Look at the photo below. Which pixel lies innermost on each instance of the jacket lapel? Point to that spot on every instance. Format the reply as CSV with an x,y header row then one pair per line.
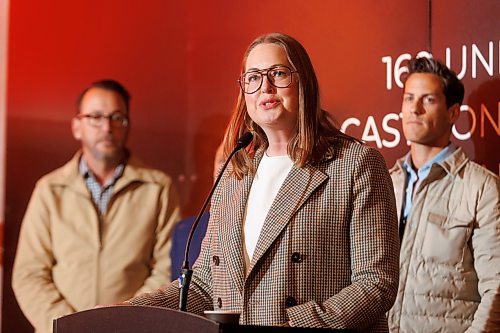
x,y
230,231
70,177
296,189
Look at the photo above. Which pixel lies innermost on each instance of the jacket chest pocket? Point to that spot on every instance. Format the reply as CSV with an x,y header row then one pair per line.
x,y
445,239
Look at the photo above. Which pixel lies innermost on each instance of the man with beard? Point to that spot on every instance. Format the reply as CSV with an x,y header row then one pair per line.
x,y
98,229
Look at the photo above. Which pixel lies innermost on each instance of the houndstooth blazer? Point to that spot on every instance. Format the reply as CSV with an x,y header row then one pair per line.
x,y
327,255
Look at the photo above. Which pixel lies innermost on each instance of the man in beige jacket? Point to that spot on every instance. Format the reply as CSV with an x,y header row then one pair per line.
x,y
97,230
448,209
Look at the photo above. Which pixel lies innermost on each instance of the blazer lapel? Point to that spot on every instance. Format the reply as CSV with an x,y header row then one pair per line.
x,y
296,189
230,231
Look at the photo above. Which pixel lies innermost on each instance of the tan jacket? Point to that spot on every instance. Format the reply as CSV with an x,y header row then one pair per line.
x,y
69,259
326,257
450,252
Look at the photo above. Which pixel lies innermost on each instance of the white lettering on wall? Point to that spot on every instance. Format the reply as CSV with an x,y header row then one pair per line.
x,y
481,57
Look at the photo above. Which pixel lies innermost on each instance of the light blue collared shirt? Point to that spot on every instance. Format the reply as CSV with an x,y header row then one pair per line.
x,y
415,179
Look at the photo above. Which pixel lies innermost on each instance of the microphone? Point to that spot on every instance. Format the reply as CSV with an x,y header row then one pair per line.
x,y
242,142
186,272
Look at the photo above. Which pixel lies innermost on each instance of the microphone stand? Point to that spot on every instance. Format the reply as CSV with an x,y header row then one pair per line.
x,y
186,271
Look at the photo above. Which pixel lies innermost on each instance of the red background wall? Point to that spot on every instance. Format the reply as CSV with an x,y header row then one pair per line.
x,y
181,61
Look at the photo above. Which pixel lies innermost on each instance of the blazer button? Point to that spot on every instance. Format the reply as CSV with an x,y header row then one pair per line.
x,y
219,302
290,301
216,260
296,257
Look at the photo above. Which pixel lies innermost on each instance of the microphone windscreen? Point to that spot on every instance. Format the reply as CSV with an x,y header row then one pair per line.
x,y
244,141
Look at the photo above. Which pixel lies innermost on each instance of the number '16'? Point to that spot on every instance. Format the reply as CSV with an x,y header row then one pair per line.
x,y
398,69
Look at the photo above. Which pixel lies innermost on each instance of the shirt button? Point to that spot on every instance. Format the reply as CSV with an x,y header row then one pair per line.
x,y
290,301
219,302
296,257
216,260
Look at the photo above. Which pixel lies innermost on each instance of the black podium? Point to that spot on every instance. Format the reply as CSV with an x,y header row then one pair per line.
x,y
146,319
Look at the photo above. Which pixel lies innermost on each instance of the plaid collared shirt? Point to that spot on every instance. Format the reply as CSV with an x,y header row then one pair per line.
x,y
100,194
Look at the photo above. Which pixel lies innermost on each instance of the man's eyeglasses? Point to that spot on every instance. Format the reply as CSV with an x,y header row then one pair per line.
x,y
278,76
116,119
